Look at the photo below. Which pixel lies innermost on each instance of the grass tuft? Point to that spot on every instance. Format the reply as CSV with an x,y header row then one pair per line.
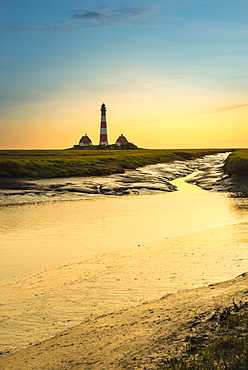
x,y
237,163
229,351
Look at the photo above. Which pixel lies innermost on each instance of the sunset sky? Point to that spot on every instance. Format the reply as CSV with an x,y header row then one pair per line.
x,y
172,73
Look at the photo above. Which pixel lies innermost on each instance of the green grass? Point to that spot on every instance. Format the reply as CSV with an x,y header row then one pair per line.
x,y
65,163
237,163
229,351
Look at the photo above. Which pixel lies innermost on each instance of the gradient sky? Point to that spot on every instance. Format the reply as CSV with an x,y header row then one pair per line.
x,y
172,73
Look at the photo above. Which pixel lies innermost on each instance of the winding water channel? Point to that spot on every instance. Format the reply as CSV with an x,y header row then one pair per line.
x,y
49,228
71,249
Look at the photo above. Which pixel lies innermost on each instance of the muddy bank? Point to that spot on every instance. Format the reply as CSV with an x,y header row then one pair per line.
x,y
215,179
143,337
39,305
144,180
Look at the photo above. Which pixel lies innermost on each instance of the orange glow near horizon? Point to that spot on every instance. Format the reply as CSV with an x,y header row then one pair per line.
x,y
160,124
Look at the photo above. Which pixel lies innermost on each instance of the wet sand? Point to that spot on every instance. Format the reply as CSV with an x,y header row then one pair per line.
x,y
141,337
41,305
107,312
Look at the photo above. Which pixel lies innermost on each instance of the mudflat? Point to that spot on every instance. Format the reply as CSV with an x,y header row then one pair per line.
x,y
107,312
141,337
150,179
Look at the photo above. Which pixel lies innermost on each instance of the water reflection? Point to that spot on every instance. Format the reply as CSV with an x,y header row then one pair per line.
x,y
35,236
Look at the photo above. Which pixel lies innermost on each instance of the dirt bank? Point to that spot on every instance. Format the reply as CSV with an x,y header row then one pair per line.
x,y
138,338
43,304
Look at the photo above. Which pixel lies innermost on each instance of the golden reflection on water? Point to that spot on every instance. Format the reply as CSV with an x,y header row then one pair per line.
x,y
43,303
36,236
39,305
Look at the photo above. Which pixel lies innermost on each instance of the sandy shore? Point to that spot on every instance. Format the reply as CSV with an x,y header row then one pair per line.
x,y
107,296
138,338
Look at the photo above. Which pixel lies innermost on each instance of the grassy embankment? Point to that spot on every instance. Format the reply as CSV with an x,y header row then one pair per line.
x,y
237,163
229,351
65,163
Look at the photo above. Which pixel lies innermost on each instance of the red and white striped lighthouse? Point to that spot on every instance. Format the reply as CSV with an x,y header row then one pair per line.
x,y
103,128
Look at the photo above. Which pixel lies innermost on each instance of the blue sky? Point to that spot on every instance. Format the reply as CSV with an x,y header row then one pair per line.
x,y
172,73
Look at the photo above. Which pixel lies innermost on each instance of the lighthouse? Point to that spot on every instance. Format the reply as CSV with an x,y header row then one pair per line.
x,y
103,128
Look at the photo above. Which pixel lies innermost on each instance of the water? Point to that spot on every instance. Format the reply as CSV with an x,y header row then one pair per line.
x,y
56,268
35,236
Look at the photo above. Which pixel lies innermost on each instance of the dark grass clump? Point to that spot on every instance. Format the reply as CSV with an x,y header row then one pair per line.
x,y
12,168
237,163
228,351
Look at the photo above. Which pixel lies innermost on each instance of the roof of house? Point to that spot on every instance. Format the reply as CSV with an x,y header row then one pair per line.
x,y
121,140
85,139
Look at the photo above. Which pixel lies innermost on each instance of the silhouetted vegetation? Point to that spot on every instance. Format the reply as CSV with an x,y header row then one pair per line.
x,y
229,351
127,146
71,162
237,163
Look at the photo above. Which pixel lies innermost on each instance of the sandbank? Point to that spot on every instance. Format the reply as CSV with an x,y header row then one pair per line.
x,y
107,312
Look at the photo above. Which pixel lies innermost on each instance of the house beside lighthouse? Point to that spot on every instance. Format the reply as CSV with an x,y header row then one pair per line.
x,y
121,140
85,141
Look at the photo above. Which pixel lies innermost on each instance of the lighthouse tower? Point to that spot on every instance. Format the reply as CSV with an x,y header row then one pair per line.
x,y
103,128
